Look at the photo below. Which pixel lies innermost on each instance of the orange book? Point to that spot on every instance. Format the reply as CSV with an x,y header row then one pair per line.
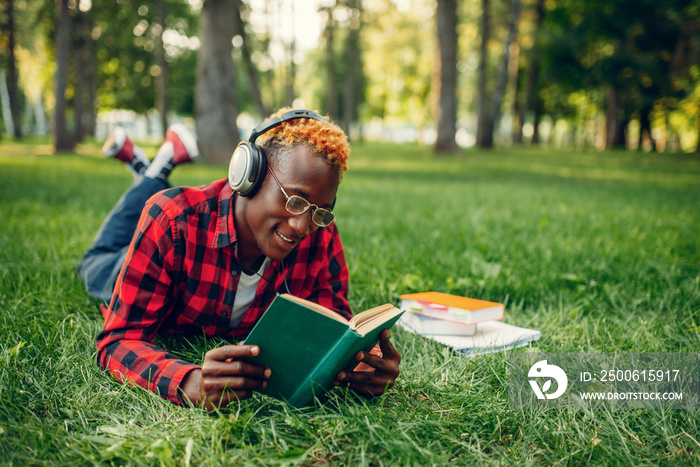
x,y
454,308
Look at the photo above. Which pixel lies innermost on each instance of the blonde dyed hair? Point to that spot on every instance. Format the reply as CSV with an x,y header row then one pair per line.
x,y
325,139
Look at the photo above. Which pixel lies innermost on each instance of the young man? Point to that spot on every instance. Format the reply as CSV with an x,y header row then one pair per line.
x,y
210,260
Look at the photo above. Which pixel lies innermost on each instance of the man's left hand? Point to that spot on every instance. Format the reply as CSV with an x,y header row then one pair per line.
x,y
377,371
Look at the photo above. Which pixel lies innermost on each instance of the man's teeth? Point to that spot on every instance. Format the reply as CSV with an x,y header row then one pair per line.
x,y
289,240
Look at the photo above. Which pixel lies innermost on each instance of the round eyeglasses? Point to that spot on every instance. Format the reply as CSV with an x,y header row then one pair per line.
x,y
297,205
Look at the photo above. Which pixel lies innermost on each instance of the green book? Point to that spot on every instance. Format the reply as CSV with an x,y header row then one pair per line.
x,y
306,345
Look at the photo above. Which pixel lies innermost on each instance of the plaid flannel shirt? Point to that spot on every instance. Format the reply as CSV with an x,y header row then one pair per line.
x,y
180,277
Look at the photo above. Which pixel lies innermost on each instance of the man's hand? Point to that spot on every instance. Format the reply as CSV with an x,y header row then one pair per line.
x,y
224,378
377,370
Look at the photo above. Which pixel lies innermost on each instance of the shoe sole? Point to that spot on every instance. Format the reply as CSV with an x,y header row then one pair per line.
x,y
115,142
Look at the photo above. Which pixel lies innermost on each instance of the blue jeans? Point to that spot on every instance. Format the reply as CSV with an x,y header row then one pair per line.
x,y
101,264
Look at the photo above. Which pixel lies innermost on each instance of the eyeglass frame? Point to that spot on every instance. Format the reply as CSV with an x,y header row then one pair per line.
x,y
308,204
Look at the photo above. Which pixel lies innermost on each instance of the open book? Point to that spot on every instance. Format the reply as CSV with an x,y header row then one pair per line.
x,y
306,345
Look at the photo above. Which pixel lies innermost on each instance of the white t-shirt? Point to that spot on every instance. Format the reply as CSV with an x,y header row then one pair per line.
x,y
247,285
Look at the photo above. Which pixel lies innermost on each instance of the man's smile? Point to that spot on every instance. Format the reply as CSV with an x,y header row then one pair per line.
x,y
285,238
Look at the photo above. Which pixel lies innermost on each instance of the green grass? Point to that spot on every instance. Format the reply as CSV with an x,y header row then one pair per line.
x,y
599,251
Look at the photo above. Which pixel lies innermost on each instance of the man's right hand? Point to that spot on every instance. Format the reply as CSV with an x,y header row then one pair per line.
x,y
224,378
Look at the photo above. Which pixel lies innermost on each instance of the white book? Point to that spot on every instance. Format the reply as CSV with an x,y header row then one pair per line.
x,y
426,326
490,336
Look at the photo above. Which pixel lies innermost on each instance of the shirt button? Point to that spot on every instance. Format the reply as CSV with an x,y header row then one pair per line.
x,y
224,313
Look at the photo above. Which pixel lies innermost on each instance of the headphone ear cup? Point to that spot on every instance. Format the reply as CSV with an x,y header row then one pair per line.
x,y
246,170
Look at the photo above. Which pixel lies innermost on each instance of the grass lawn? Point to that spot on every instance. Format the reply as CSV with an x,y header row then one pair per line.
x,y
599,251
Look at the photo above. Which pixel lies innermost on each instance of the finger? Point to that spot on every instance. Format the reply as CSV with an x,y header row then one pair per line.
x,y
213,368
371,378
388,349
232,351
372,360
378,363
369,389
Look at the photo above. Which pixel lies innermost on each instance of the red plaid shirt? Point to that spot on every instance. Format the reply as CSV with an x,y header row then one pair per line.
x,y
180,277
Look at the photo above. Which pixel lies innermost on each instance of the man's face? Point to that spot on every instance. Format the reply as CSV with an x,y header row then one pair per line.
x,y
266,225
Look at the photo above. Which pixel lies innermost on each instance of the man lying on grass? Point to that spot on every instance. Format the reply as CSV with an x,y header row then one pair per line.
x,y
210,260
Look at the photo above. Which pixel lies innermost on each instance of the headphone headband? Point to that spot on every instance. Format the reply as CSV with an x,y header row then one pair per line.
x,y
277,121
248,164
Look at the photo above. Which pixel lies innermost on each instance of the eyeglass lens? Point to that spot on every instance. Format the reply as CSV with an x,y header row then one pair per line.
x,y
298,205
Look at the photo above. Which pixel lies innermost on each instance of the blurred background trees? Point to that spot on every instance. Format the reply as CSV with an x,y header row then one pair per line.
x,y
618,74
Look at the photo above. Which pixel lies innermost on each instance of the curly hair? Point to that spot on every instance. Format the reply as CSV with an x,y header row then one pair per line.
x,y
324,139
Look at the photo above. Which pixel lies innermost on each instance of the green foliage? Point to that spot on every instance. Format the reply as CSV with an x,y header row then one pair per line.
x,y
399,47
632,46
598,250
125,34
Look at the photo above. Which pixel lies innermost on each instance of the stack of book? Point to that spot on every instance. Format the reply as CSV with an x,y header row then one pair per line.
x,y
468,325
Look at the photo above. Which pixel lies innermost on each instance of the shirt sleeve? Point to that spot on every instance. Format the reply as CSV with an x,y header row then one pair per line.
x,y
141,302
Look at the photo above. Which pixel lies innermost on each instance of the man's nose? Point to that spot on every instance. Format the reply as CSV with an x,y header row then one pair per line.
x,y
302,224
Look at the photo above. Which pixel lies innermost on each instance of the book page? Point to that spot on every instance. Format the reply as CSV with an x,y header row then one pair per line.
x,y
316,307
373,318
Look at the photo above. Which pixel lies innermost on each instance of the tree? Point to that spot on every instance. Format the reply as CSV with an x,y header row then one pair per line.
x,y
250,67
398,51
90,111
329,35
215,100
162,76
134,72
622,55
63,140
446,16
353,75
532,73
12,69
485,136
291,72
80,47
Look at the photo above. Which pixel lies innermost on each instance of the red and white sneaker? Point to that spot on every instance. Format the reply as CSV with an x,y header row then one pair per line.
x,y
179,147
184,144
120,147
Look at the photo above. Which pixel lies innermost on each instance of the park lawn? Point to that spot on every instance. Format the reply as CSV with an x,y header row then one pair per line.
x,y
599,251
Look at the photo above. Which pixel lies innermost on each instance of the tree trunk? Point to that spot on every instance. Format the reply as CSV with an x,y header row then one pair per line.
x,y
5,102
91,76
501,79
215,100
248,61
330,65
447,104
62,138
514,79
536,125
615,131
645,129
80,78
697,127
353,67
291,73
532,72
12,71
483,139
162,78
